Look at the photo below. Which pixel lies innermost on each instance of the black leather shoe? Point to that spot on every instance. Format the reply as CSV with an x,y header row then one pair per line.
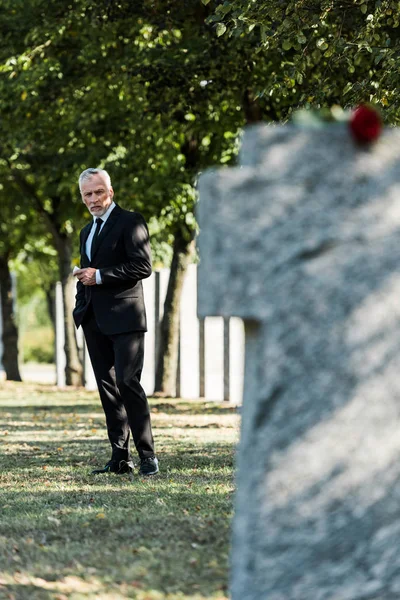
x,y
120,467
148,466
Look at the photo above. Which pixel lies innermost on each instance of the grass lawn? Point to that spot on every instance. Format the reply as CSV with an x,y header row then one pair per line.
x,y
65,534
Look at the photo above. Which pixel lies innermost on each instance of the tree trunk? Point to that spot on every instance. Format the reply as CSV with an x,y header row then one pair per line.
x,y
167,360
10,331
73,368
251,107
51,305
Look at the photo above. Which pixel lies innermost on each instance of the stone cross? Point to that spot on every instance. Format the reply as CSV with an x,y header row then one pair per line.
x,y
302,241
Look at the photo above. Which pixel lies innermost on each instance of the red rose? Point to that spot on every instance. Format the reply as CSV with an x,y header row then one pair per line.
x,y
365,124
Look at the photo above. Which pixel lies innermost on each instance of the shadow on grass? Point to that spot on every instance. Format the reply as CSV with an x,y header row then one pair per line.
x,y
17,408
170,532
92,452
188,407
33,592
167,535
193,407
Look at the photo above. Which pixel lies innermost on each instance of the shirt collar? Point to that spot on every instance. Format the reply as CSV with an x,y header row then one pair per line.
x,y
107,213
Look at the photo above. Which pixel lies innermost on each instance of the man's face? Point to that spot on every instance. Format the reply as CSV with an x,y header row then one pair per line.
x,y
96,194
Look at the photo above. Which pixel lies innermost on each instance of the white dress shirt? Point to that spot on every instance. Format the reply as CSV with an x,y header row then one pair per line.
x,y
88,247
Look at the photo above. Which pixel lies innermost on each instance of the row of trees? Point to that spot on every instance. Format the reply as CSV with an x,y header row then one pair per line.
x,y
155,91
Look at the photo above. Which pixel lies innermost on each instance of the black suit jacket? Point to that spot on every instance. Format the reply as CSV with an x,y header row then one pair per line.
x,y
122,254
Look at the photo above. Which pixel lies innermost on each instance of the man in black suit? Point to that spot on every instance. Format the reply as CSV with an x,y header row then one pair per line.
x,y
115,257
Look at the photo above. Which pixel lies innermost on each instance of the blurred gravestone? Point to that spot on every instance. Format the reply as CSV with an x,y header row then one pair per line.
x,y
303,243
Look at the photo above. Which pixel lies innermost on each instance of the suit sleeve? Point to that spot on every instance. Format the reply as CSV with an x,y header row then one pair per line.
x,y
137,247
80,295
80,288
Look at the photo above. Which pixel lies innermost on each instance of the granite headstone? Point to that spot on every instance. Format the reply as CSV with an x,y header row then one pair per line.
x,y
302,241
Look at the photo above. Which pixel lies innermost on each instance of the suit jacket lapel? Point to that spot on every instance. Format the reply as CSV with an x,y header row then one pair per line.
x,y
108,225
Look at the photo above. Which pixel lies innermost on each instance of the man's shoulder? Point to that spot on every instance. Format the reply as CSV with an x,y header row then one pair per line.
x,y
86,227
131,215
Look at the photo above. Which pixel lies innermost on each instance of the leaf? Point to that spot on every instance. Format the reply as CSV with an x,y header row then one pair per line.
x,y
287,44
264,34
347,88
321,44
221,28
205,2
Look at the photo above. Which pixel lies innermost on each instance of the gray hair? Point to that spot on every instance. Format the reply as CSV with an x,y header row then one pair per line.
x,y
90,172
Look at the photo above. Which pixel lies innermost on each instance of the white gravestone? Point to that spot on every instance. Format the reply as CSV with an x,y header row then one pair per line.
x,y
303,243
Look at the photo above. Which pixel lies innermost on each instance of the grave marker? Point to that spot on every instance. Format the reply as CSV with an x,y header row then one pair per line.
x,y
302,241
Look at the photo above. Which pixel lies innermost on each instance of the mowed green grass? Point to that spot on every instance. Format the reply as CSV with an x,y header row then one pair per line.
x,y
65,534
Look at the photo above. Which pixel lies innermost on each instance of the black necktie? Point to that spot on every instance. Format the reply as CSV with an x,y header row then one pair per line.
x,y
99,223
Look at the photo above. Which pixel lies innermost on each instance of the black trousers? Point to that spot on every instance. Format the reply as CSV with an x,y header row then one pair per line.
x,y
117,362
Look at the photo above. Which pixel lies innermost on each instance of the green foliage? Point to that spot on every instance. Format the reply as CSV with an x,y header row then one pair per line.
x,y
36,269
145,91
156,92
37,345
36,332
321,52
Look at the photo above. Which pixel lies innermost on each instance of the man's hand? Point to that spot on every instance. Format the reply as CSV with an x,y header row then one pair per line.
x,y
86,276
